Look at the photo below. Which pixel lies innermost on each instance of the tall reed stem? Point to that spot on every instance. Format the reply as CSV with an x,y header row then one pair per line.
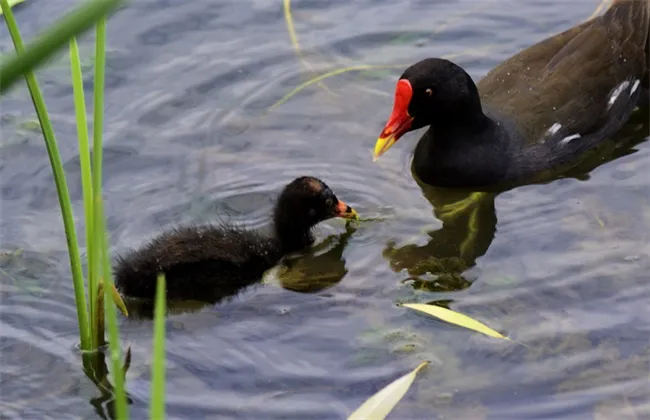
x,y
157,407
59,181
121,409
98,126
86,174
53,38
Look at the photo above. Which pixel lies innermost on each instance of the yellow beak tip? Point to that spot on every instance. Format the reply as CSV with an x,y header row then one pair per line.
x,y
381,146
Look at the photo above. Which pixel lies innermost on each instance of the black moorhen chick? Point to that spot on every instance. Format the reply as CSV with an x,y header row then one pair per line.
x,y
211,262
538,111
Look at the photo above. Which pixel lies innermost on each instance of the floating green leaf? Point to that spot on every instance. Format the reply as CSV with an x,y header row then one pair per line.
x,y
382,403
455,318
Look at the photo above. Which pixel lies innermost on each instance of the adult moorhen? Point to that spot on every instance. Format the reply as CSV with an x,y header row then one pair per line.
x,y
538,111
208,263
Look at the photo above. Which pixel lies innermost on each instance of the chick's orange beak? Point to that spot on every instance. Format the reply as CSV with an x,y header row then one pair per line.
x,y
399,121
345,211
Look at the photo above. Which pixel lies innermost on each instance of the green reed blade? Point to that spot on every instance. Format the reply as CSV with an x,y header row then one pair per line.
x,y
52,39
121,409
98,116
97,329
86,181
157,408
12,3
59,176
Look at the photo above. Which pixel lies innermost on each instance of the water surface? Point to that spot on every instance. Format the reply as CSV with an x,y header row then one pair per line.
x,y
189,137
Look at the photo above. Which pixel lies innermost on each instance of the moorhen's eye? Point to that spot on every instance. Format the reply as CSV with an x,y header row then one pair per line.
x,y
329,202
429,91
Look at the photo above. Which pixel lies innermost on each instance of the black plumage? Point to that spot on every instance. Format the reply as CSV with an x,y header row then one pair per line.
x,y
536,114
210,262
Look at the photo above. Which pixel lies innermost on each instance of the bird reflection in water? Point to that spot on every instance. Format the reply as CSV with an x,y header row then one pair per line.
x,y
468,227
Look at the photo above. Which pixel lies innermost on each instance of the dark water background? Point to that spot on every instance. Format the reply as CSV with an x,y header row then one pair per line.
x,y
562,267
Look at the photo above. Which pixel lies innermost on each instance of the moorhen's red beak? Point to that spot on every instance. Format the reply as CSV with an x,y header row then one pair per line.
x,y
399,121
345,211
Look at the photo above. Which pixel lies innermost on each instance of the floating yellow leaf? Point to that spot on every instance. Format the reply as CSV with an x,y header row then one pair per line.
x,y
379,405
455,318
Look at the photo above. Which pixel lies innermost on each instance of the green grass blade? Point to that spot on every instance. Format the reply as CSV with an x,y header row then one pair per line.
x,y
98,328
52,39
98,115
157,409
98,121
12,3
121,409
86,181
59,179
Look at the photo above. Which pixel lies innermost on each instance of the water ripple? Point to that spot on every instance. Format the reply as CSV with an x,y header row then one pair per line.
x,y
189,137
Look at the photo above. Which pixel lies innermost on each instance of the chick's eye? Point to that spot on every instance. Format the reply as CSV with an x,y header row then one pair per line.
x,y
429,92
329,202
